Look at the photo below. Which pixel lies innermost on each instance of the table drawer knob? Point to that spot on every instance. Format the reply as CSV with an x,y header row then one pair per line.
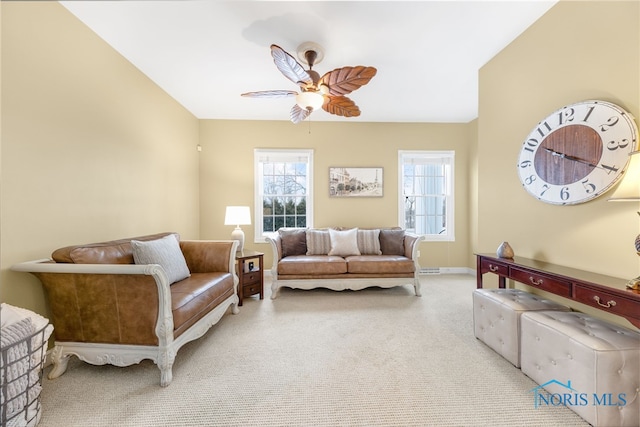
x,y
609,304
493,268
535,282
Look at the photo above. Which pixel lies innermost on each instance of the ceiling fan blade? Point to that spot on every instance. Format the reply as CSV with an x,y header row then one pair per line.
x,y
271,94
288,66
298,114
341,106
342,81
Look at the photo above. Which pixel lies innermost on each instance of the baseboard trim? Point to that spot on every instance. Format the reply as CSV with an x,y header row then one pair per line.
x,y
426,271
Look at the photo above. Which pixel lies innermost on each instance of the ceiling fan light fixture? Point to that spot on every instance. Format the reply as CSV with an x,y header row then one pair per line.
x,y
309,100
326,92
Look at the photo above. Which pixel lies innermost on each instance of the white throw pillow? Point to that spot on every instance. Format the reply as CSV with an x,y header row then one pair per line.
x,y
165,252
344,243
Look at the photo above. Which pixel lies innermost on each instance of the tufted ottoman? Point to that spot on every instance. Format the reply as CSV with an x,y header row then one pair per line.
x,y
496,318
591,366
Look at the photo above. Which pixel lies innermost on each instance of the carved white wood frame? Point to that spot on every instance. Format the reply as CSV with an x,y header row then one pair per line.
x,y
341,284
165,352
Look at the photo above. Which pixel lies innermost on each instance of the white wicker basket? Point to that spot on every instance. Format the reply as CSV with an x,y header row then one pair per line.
x,y
21,368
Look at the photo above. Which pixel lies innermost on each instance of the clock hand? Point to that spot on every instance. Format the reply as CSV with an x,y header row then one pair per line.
x,y
573,158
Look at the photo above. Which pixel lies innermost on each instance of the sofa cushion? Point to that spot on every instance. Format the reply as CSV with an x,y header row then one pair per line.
x,y
379,264
165,252
312,265
197,295
344,242
294,241
318,242
392,242
369,242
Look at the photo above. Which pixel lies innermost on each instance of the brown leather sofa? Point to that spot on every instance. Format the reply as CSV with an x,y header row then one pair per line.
x,y
301,262
108,310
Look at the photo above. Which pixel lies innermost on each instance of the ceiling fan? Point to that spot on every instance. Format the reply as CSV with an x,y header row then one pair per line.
x,y
327,91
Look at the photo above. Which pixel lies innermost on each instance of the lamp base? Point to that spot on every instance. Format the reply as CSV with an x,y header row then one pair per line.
x,y
634,284
238,234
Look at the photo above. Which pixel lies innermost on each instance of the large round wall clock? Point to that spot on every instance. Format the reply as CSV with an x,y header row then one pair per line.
x,y
577,153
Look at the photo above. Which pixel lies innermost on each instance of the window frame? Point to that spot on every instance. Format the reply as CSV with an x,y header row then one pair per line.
x,y
449,157
288,155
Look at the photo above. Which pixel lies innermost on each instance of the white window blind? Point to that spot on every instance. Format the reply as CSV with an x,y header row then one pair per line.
x,y
426,202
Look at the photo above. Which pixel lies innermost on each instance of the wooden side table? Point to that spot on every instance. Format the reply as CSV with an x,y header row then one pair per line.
x,y
251,280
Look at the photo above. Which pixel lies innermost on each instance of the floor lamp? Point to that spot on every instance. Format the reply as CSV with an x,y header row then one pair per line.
x,y
629,191
238,215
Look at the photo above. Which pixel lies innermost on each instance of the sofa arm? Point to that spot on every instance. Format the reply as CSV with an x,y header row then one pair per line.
x,y
49,266
412,245
205,256
114,293
276,248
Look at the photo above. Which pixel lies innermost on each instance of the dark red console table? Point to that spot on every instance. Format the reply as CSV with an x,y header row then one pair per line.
x,y
596,290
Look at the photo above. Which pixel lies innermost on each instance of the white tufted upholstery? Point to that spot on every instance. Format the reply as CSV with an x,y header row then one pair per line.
x,y
496,318
597,357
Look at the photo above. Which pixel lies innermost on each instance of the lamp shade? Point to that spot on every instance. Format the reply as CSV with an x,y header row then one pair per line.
x,y
306,100
629,188
237,215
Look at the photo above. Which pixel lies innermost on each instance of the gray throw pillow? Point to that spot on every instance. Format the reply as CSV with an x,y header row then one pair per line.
x,y
294,241
392,242
164,252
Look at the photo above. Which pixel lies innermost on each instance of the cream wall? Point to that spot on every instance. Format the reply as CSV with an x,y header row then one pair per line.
x,y
577,51
227,176
91,148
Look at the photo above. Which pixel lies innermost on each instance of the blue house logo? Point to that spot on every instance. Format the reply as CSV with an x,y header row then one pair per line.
x,y
572,397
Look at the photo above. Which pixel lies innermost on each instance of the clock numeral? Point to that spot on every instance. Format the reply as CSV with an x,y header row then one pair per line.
x,y
566,116
531,145
564,194
608,168
589,111
525,163
588,186
542,131
545,187
615,145
610,123
529,180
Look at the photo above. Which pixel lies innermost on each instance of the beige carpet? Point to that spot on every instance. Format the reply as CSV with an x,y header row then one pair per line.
x,y
318,358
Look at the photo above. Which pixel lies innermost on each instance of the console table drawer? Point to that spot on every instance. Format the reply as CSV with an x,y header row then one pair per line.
x,y
605,301
491,266
546,283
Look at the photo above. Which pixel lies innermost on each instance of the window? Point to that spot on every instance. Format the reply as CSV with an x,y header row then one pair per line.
x,y
283,190
426,202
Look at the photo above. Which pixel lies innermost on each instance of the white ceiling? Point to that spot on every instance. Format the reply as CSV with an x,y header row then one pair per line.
x,y
206,53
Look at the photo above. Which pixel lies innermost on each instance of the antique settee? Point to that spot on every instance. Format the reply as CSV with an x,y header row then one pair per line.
x,y
340,259
123,301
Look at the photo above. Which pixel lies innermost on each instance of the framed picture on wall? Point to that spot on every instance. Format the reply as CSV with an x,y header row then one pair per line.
x,y
355,182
